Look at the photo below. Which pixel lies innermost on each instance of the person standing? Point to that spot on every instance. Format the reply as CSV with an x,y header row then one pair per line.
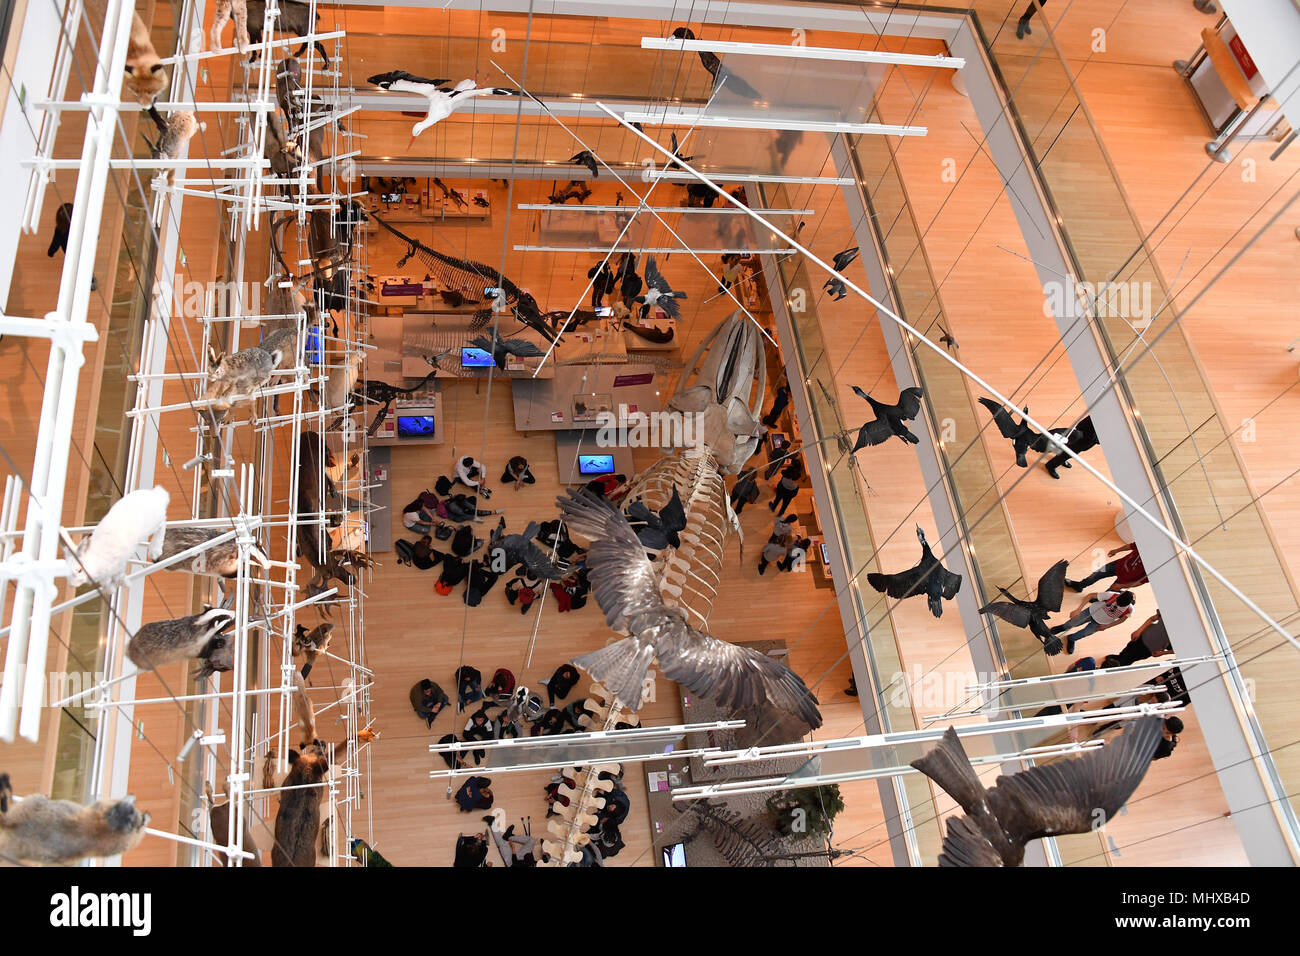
x,y
603,282
1149,640
1022,28
797,555
1097,612
787,487
1078,439
783,526
745,491
774,551
1127,571
779,402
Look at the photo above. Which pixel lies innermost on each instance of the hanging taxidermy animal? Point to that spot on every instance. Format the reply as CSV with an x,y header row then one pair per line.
x,y
219,825
145,77
226,10
295,20
40,830
297,822
221,559
204,636
174,133
237,376
309,644
102,555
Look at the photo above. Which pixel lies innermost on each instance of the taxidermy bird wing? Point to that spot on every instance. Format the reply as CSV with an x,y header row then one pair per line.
x,y
904,583
1002,418
726,78
909,403
386,80
1051,587
737,677
1065,796
521,348
520,550
1013,612
874,432
654,279
488,345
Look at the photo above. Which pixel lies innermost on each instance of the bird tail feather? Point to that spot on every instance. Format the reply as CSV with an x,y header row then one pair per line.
x,y
621,667
949,767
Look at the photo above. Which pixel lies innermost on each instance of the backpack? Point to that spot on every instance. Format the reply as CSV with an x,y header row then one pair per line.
x,y
405,551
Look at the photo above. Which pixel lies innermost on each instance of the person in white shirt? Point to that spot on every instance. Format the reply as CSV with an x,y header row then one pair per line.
x,y
1096,612
469,472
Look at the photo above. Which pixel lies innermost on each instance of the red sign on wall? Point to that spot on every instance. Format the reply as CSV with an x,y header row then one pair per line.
x,y
1243,58
640,378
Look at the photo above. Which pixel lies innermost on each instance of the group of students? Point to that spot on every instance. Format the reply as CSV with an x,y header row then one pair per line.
x,y
1102,610
783,549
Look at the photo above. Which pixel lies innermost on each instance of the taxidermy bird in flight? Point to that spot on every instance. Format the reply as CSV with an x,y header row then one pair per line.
x,y
443,99
946,339
890,419
1033,614
928,577
843,258
835,288
499,348
721,75
1023,437
658,292
1066,796
585,158
627,589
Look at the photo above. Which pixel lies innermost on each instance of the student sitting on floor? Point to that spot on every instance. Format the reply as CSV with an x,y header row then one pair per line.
x,y
475,794
517,473
428,699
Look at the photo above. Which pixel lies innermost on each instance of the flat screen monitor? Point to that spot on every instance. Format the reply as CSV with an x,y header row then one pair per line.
x,y
675,855
415,426
595,464
474,358
604,311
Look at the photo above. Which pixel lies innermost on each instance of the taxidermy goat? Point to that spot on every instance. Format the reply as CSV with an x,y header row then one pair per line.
x,y
239,374
102,556
222,559
297,822
145,77
219,821
202,635
226,9
310,644
41,830
294,20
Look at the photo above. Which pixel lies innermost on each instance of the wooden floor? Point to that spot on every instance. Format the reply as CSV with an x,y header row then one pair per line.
x,y
989,295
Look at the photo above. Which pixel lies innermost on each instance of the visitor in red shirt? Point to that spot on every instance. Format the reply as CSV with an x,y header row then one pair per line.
x,y
1127,571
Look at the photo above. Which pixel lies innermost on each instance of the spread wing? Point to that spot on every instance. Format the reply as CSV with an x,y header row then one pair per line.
x,y
900,585
672,516
909,403
964,845
484,343
622,579
736,677
1002,418
1065,796
1016,614
874,432
1051,587
949,582
520,550
653,278
521,347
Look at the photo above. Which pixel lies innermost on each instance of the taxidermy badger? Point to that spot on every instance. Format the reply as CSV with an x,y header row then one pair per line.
x,y
145,76
202,635
41,830
297,822
223,559
225,10
242,373
102,556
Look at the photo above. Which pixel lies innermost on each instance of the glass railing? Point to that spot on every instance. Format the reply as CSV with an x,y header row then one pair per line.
x,y
881,645
1191,449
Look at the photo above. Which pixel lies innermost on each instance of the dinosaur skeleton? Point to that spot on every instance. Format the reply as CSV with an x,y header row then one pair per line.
x,y
723,386
471,278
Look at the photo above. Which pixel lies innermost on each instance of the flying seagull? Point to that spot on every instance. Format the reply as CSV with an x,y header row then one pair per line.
x,y
658,292
842,259
928,577
658,531
1066,796
627,589
889,419
1033,614
1023,437
443,99
517,549
499,348
721,75
585,158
